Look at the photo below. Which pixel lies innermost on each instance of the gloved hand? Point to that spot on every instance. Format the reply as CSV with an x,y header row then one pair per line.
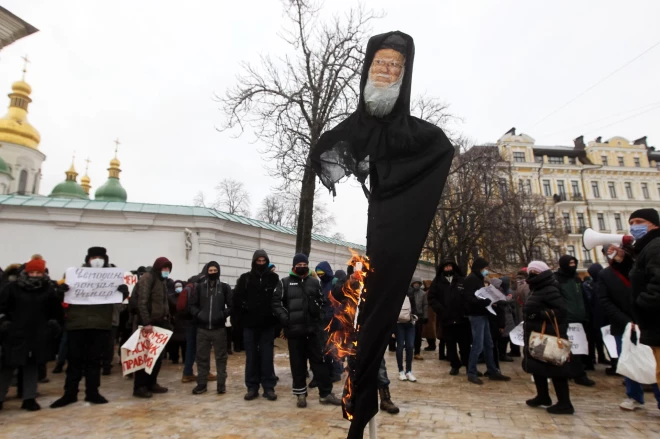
x,y
61,289
123,289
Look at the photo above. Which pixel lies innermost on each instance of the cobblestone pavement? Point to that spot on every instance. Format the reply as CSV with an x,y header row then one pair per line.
x,y
437,406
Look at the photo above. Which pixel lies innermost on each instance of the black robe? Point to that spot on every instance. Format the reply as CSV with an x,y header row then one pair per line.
x,y
407,161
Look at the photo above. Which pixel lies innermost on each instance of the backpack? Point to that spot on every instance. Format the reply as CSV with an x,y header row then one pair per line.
x,y
182,301
405,316
134,300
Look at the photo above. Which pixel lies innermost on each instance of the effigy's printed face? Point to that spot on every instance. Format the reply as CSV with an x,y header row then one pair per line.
x,y
386,67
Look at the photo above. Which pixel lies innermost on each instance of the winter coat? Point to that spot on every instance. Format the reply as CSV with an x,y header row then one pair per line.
x,y
326,288
545,297
210,304
430,328
419,301
474,306
571,290
153,306
90,316
521,294
253,296
591,302
297,303
645,282
178,324
29,322
448,299
615,297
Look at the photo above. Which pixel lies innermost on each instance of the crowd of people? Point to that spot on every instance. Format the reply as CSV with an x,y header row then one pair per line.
x,y
206,314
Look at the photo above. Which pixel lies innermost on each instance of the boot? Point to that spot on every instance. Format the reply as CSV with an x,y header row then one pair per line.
x,y
142,392
252,394
157,388
302,401
96,398
30,405
68,398
386,401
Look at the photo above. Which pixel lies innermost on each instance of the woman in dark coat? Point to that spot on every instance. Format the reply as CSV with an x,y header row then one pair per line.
x,y
544,300
29,316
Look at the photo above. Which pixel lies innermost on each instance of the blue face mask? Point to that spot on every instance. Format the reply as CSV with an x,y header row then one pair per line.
x,y
165,274
178,290
638,231
484,273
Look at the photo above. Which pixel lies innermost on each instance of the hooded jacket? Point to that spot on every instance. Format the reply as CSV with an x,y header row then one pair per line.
x,y
210,303
571,290
645,283
446,296
418,300
153,307
253,295
297,304
326,288
475,306
615,298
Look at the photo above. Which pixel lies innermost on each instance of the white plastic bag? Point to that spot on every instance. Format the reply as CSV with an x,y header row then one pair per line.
x,y
636,361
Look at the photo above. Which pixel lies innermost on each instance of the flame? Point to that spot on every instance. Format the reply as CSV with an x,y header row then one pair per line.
x,y
342,330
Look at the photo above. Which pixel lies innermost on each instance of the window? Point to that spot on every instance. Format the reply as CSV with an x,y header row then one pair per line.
x,y
547,189
567,222
575,187
561,188
557,252
529,219
519,157
487,189
556,160
617,220
587,255
637,163
551,219
621,162
581,225
604,159
629,192
527,186
503,186
612,189
511,256
572,161
36,183
570,249
645,191
22,182
538,158
594,189
537,254
601,222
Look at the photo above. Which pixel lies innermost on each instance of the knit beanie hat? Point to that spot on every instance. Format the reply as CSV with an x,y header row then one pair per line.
x,y
300,257
37,264
538,266
650,215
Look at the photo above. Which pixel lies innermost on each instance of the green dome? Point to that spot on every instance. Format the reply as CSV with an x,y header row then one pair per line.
x,y
111,190
4,167
69,189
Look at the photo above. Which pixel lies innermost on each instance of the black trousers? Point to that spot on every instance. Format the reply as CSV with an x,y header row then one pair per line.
x,y
596,345
561,388
418,336
109,353
503,345
301,349
86,348
458,337
143,379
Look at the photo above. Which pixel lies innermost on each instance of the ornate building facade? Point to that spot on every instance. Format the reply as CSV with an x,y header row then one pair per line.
x,y
597,184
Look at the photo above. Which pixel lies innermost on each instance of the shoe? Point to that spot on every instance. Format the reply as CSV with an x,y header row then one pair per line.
x,y
199,389
157,389
330,399
558,409
479,374
270,395
251,394
506,359
42,381
107,371
475,380
302,401
585,381
96,398
538,402
611,371
212,377
142,392
277,378
1,404
313,384
411,377
630,405
647,388
386,401
30,405
454,371
443,358
429,348
230,352
499,377
419,357
64,401
188,378
58,369
402,376
222,390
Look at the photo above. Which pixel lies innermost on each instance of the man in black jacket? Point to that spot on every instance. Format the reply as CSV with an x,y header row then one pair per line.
x,y
210,305
252,302
446,299
478,314
297,303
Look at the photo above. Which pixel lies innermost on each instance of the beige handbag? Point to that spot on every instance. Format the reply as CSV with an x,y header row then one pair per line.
x,y
548,348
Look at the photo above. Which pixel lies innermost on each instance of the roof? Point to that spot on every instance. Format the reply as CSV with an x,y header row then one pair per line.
x,y
13,28
161,209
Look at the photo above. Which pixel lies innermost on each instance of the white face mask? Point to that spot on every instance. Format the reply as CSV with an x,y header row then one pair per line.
x,y
97,263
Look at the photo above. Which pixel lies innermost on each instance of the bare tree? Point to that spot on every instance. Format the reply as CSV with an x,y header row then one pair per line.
x,y
233,198
292,100
339,236
281,208
273,210
200,201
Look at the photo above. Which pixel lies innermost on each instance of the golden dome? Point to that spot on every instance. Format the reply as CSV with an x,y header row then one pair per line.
x,y
14,127
114,163
85,179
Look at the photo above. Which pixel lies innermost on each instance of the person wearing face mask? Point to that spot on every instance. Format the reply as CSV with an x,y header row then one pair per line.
x,y
176,347
252,299
297,302
152,310
477,312
325,275
211,305
89,333
420,305
570,286
30,313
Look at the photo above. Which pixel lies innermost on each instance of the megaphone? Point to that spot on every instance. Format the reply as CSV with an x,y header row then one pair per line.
x,y
591,239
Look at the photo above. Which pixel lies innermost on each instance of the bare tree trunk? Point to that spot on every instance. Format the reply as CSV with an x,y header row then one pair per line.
x,y
306,213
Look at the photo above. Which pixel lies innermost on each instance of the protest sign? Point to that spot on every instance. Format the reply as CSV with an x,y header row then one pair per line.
x,y
517,335
610,342
142,350
130,279
578,337
93,286
492,293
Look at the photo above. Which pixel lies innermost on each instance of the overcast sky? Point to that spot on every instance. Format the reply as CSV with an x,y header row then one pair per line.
x,y
146,72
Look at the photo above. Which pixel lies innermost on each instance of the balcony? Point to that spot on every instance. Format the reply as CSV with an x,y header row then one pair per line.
x,y
582,229
562,197
577,197
568,229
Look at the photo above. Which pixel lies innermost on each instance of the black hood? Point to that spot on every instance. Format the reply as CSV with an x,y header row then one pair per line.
x,y
564,267
212,264
441,267
259,254
478,265
594,270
